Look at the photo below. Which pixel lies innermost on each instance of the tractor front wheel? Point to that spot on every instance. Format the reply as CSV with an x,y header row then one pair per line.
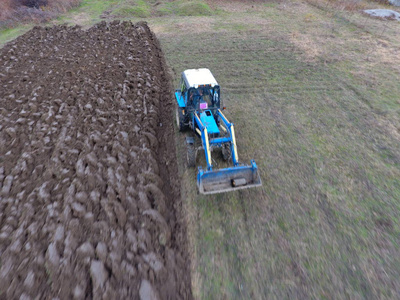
x,y
180,119
226,152
191,156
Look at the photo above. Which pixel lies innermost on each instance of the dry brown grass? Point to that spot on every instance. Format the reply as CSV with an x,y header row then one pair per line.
x,y
62,5
5,9
13,12
348,5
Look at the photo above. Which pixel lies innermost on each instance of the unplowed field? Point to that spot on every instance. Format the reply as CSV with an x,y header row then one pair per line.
x,y
89,201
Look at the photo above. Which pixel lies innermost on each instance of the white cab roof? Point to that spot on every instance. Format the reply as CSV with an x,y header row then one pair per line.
x,y
196,77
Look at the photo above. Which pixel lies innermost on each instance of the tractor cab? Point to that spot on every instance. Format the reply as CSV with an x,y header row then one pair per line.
x,y
198,91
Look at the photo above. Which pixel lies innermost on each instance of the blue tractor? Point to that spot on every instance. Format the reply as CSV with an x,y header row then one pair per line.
x,y
199,110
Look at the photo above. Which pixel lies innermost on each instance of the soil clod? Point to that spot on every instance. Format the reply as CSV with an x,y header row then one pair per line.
x,y
88,192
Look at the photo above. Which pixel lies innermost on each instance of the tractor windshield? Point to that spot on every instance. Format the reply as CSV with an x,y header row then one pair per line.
x,y
204,97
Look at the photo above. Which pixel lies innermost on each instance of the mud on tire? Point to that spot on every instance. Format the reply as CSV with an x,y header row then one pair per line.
x,y
180,119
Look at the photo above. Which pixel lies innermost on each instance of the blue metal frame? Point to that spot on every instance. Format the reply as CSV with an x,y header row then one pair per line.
x,y
229,127
217,141
210,181
180,99
204,139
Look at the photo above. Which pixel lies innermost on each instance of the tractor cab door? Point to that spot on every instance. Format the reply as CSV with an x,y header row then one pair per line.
x,y
181,94
184,91
215,97
192,98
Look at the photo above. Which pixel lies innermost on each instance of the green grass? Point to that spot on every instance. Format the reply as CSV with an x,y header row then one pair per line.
x,y
192,8
94,7
324,224
138,8
184,8
9,34
88,13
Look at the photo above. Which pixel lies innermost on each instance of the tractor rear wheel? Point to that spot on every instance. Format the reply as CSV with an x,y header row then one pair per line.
x,y
180,119
191,156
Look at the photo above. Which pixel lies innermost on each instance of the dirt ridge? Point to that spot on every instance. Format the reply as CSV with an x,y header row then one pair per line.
x,y
90,206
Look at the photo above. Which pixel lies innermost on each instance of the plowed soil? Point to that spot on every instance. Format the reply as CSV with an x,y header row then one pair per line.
x,y
90,204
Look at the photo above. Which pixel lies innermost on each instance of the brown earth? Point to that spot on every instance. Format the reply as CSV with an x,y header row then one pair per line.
x,y
89,200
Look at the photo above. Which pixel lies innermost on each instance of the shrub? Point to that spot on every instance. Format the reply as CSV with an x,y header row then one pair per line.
x,y
14,11
34,3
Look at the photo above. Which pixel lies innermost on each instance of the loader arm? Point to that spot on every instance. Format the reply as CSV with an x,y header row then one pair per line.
x,y
229,179
204,138
231,131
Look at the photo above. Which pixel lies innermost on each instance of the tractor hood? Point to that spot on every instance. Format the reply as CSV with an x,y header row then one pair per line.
x,y
208,121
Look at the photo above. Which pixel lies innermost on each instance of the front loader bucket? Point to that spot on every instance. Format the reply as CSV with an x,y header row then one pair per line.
x,y
230,179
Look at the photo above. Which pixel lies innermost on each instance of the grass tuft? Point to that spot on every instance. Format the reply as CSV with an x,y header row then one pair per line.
x,y
139,9
185,8
193,8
